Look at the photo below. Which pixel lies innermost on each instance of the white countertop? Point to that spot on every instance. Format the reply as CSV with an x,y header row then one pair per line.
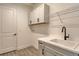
x,y
48,38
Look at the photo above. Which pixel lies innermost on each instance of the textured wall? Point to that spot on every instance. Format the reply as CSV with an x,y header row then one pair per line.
x,y
69,14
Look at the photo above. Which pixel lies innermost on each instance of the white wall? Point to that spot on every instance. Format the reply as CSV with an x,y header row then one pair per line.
x,y
71,21
56,7
24,35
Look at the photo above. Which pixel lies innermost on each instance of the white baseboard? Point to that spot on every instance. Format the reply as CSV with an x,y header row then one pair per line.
x,y
7,50
22,47
18,48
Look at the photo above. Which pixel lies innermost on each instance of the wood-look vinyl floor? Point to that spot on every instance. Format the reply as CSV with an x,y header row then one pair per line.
x,y
30,51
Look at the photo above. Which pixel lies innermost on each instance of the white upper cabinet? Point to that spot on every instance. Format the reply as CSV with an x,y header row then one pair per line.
x,y
40,14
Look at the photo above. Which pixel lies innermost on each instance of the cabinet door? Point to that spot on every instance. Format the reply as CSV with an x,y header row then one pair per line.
x,y
48,52
41,13
51,52
31,18
46,13
37,15
0,30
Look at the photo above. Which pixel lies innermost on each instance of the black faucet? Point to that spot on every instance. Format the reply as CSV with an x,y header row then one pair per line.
x,y
64,30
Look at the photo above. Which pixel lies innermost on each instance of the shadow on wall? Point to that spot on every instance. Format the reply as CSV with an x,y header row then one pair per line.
x,y
40,28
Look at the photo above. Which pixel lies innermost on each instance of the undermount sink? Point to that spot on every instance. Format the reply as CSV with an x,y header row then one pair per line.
x,y
70,44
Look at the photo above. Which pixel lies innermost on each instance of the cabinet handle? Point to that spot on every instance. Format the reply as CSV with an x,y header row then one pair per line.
x,y
43,51
14,34
37,19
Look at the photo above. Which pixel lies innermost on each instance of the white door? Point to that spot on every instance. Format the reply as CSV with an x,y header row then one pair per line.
x,y
8,29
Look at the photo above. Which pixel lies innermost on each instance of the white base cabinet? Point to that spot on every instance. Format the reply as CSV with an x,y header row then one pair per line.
x,y
47,49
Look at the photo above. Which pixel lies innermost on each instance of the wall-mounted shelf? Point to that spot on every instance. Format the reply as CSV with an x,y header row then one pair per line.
x,y
38,23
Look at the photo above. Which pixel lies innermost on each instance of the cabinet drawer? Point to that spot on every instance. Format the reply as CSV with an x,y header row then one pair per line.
x,y
51,52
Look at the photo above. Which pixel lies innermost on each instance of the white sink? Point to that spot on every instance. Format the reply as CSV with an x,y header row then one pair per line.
x,y
70,44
